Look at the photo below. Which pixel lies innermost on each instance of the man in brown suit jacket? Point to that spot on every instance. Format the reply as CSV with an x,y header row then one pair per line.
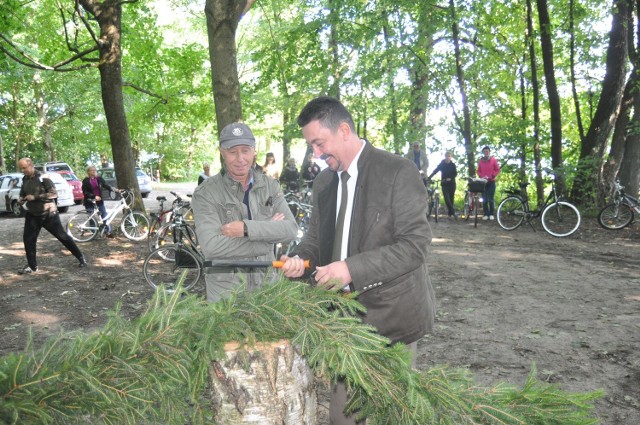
x,y
385,234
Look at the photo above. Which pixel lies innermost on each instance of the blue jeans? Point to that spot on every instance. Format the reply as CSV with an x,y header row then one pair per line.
x,y
488,204
103,212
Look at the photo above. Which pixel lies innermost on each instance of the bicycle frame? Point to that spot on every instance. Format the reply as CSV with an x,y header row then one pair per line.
x,y
551,198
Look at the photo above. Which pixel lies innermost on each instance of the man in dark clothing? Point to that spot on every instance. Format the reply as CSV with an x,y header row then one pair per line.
x,y
448,172
38,194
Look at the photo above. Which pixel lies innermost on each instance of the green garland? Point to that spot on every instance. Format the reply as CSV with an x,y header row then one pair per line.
x,y
154,369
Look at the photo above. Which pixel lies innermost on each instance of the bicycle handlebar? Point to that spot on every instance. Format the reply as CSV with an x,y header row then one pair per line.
x,y
247,263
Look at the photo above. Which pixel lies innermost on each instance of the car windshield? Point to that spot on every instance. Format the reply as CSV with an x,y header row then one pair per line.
x,y
108,174
69,177
57,167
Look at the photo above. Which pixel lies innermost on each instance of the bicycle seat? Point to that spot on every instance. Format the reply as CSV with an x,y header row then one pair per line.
x,y
524,184
161,198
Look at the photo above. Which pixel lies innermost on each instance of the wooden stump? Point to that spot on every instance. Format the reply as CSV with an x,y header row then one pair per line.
x,y
270,384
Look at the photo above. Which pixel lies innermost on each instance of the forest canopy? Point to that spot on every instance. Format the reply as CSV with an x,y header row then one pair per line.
x,y
545,84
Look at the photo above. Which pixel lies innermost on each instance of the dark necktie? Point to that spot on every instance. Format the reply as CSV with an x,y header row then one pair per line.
x,y
337,242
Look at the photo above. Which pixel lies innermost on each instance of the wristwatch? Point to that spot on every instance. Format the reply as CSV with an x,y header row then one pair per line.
x,y
246,229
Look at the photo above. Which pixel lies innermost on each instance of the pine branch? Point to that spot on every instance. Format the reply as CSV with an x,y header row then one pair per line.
x,y
154,369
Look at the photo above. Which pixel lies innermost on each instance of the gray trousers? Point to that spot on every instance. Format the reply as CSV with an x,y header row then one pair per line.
x,y
339,396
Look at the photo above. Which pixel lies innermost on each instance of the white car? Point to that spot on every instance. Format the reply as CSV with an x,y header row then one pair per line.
x,y
10,185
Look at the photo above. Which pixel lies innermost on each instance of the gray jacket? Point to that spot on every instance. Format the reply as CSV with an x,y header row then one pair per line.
x,y
388,243
218,201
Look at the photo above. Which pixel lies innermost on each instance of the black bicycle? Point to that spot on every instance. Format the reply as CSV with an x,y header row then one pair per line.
x,y
559,217
620,212
302,213
179,262
433,199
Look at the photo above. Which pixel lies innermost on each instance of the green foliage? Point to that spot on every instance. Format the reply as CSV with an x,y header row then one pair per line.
x,y
154,369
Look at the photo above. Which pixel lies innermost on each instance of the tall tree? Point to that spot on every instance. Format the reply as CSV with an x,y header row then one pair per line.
x,y
466,114
535,88
595,142
546,31
105,52
222,23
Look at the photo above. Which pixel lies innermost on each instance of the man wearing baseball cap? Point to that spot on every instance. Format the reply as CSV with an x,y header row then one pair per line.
x,y
240,214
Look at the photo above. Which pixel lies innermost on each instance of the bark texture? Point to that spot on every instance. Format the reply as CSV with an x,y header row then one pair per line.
x,y
271,384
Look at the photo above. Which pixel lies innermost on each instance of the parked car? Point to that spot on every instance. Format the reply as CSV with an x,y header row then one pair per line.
x,y
109,175
10,185
10,192
54,166
76,185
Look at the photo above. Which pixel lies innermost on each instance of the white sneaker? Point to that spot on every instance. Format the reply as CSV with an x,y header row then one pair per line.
x,y
491,217
485,217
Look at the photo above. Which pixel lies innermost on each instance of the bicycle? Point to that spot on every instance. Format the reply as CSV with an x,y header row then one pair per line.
x,y
173,231
86,225
559,217
302,214
177,263
473,198
433,198
163,217
620,212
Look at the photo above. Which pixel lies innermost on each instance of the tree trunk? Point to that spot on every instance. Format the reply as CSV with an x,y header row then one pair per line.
x,y
418,71
595,142
535,88
552,89
466,131
618,141
43,120
336,68
269,385
109,17
222,22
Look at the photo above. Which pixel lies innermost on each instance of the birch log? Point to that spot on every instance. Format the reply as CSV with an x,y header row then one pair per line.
x,y
269,384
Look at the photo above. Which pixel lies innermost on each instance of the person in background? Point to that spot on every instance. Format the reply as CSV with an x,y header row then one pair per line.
x,y
270,168
448,172
291,176
368,232
310,171
92,187
206,173
489,169
419,158
38,196
240,214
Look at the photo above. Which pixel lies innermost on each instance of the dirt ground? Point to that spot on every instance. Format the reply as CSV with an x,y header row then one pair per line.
x,y
506,300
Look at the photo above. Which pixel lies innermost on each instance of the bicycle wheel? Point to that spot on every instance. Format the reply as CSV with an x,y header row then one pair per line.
x,y
615,216
153,233
466,208
560,219
83,226
510,213
135,226
476,201
436,207
429,205
185,270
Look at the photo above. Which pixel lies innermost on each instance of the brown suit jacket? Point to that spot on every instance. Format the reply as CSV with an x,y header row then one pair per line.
x,y
388,243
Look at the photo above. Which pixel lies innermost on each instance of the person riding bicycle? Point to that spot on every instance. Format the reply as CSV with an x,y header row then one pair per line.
x,y
448,172
489,169
240,215
92,187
